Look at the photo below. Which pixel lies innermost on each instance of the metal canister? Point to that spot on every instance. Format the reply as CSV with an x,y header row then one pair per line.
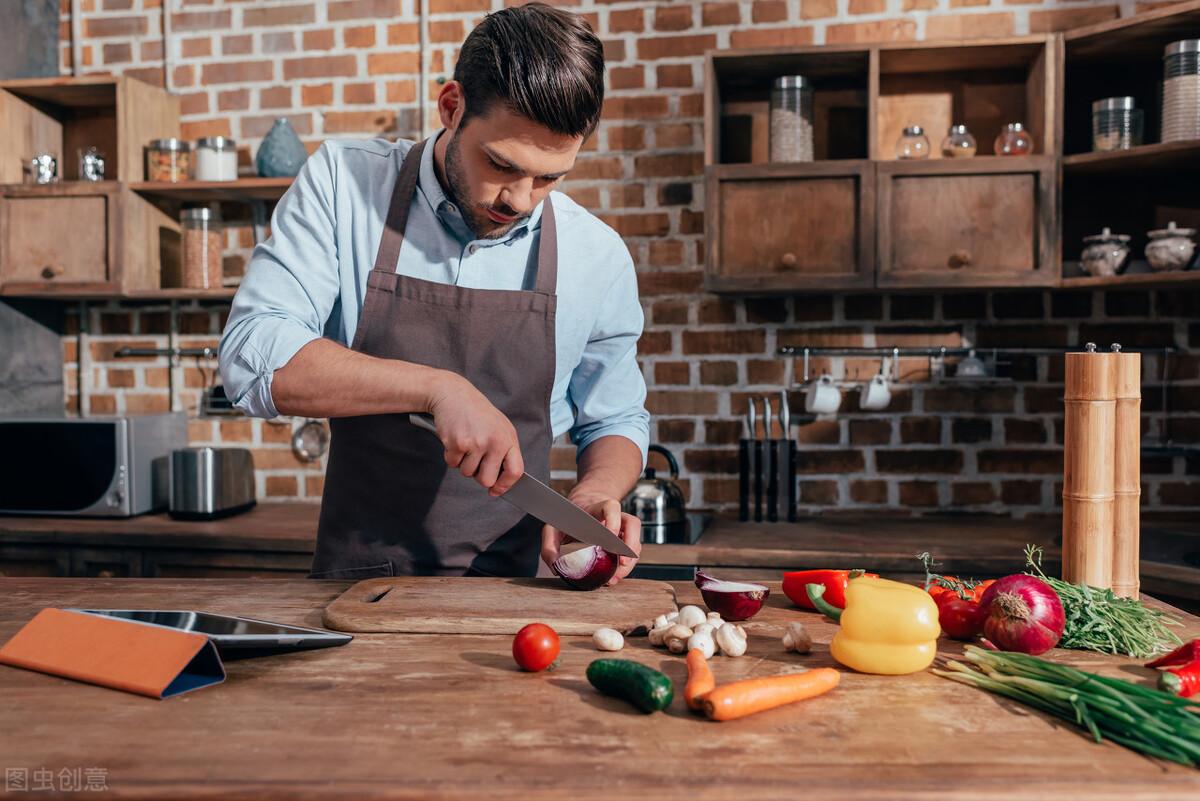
x,y
1181,91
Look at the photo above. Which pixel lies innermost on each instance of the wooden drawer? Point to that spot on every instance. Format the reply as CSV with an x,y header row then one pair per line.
x,y
106,563
790,227
225,564
987,221
34,560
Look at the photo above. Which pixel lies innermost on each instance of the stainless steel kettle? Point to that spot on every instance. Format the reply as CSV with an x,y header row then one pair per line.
x,y
659,504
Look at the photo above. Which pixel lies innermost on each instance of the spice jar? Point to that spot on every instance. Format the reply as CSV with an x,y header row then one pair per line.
x,y
791,119
1116,124
1014,140
1104,253
201,248
958,144
1181,91
167,160
215,159
912,144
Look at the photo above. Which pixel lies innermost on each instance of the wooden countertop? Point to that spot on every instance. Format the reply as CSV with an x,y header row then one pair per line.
x,y
449,717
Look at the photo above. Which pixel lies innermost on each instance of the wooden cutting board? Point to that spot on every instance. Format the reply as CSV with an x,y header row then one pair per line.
x,y
436,605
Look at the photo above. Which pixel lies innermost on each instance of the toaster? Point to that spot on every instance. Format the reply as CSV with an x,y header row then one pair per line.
x,y
208,483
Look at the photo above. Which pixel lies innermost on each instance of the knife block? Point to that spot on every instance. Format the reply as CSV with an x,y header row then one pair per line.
x,y
1089,458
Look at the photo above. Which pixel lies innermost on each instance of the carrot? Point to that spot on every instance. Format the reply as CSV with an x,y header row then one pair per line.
x,y
732,701
700,679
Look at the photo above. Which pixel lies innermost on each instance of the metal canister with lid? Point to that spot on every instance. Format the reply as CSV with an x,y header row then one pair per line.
x,y
1116,124
791,119
1181,91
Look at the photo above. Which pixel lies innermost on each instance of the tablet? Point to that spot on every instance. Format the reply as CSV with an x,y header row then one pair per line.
x,y
234,637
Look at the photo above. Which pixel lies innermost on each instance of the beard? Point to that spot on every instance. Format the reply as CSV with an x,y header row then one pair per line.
x,y
474,213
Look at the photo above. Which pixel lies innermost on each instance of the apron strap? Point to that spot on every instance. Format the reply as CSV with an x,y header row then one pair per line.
x,y
547,274
388,255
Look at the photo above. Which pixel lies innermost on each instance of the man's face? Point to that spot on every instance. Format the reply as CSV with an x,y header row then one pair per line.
x,y
501,165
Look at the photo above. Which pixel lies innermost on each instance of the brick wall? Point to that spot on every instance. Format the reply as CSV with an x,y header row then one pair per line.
x,y
350,68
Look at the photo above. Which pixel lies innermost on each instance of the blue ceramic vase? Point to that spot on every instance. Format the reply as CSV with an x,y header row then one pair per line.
x,y
281,154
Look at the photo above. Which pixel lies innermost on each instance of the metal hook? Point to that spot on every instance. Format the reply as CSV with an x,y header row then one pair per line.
x,y
805,379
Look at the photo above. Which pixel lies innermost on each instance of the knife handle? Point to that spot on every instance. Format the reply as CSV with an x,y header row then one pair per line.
x,y
772,480
758,481
424,421
744,480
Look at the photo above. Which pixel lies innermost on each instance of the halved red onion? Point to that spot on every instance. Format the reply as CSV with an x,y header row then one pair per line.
x,y
587,568
732,600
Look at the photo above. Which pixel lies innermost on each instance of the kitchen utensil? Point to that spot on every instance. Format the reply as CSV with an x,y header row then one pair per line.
x,y
744,448
758,472
310,440
535,498
208,483
1104,253
41,169
754,454
443,605
823,396
1170,248
875,394
1089,451
1127,475
787,457
1014,140
659,503
91,165
770,451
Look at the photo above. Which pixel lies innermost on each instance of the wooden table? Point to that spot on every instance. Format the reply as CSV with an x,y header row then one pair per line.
x,y
448,717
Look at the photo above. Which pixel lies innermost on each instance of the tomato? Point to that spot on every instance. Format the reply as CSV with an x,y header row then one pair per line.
x,y
959,618
535,647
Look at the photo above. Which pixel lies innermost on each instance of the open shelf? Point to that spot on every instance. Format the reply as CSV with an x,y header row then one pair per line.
x,y
239,191
1172,156
224,293
1135,279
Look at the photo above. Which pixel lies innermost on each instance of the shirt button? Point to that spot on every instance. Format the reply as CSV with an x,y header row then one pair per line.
x,y
450,208
471,249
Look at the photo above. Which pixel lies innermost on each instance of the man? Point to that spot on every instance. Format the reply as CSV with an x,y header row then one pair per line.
x,y
447,277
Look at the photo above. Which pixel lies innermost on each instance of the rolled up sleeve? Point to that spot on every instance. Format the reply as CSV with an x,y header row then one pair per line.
x,y
607,389
288,292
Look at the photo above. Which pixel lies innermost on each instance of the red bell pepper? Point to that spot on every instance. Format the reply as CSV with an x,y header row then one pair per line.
x,y
1182,681
1188,652
796,582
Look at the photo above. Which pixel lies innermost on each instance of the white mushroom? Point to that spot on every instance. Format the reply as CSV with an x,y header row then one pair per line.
x,y
677,638
657,634
672,617
659,622
608,640
706,626
731,639
691,616
715,618
703,640
797,639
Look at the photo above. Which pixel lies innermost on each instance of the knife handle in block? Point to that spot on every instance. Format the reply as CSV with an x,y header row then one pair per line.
x,y
744,480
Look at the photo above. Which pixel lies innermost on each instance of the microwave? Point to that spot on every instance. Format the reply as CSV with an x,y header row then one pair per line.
x,y
88,466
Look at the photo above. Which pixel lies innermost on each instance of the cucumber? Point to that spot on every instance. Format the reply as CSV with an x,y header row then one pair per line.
x,y
645,688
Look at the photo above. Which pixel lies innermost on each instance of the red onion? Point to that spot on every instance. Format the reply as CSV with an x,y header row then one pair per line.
x,y
1023,614
732,600
587,568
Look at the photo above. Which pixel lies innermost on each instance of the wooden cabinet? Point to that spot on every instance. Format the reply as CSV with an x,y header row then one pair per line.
x,y
777,226
987,221
106,562
224,564
33,560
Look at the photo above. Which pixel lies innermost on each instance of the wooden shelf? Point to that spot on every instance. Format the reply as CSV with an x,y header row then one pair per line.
x,y
1172,156
1134,280
224,293
101,293
239,191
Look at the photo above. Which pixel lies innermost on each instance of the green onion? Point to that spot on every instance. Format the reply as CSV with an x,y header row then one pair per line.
x,y
1099,621
1146,720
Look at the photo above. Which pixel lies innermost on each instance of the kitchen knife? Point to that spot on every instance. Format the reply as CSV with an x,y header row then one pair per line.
x,y
772,469
787,458
757,467
754,457
535,498
744,476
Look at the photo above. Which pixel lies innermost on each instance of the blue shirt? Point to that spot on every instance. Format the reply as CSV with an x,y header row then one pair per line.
x,y
309,280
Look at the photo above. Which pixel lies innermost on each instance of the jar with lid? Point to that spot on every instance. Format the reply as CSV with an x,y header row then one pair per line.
x,y
1104,253
1014,140
958,144
1181,91
215,159
1116,124
168,160
201,257
912,144
791,134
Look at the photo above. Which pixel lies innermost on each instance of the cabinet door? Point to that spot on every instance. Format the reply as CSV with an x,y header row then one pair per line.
x,y
106,563
34,560
56,242
225,564
987,221
790,227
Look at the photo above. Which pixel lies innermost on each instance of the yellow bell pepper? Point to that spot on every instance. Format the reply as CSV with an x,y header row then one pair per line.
x,y
887,627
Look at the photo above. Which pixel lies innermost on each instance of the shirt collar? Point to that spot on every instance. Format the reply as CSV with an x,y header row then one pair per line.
x,y
449,214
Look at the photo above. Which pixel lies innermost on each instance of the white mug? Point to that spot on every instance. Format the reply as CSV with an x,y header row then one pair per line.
x,y
823,396
875,394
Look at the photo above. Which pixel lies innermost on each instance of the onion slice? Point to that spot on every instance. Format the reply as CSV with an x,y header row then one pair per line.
x,y
732,600
587,568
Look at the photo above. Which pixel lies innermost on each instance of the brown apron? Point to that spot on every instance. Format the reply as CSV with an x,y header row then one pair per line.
x,y
391,505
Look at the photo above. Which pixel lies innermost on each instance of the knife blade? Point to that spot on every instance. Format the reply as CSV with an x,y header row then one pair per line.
x,y
535,498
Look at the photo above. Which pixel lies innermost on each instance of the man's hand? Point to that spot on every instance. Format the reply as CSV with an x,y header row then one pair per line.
x,y
608,511
479,440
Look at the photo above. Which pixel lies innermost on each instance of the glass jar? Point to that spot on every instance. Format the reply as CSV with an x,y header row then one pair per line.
x,y
958,144
201,256
215,159
1116,124
1181,91
791,119
168,160
912,144
1014,140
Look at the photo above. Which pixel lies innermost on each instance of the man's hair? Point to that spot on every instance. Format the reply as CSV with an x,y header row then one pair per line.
x,y
540,62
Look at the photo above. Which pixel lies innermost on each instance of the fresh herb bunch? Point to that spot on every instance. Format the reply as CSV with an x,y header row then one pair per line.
x,y
1099,621
1146,720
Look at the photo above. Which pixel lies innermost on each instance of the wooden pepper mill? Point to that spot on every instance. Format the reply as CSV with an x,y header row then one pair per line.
x,y
1127,478
1089,459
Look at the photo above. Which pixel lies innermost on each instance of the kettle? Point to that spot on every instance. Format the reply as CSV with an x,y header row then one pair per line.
x,y
658,503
